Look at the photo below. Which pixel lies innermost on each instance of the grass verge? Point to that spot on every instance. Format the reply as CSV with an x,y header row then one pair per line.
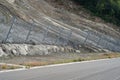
x,y
8,67
75,59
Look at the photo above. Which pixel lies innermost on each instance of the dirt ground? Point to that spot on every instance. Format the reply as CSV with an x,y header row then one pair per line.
x,y
55,58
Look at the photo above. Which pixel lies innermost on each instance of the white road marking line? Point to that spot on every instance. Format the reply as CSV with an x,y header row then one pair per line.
x,y
55,65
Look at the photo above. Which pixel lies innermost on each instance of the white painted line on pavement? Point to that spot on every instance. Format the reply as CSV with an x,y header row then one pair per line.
x,y
55,65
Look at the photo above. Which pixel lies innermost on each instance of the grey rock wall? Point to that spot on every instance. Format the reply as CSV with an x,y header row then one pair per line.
x,y
26,49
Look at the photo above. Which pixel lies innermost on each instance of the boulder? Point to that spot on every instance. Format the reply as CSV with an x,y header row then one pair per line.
x,y
2,53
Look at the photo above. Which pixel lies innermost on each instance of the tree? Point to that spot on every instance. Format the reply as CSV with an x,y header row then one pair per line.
x,y
109,10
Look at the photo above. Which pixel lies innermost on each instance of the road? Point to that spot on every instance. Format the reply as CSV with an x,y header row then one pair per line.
x,y
94,70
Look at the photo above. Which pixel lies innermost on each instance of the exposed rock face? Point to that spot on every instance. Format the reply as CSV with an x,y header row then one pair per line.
x,y
37,22
25,49
11,1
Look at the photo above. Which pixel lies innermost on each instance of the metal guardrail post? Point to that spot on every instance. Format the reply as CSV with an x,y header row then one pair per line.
x,y
7,36
28,35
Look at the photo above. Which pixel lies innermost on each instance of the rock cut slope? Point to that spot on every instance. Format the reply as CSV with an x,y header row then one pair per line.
x,y
38,22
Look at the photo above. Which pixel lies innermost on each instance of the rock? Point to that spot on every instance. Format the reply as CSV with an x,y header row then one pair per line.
x,y
15,49
2,53
78,51
14,52
11,1
27,49
22,49
6,48
62,49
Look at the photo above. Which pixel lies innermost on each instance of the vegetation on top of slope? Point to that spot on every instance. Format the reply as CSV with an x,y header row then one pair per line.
x,y
109,10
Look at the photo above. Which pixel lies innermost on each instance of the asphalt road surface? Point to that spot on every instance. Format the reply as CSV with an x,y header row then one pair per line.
x,y
95,70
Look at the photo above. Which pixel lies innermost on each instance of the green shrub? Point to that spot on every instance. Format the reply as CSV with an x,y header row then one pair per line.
x,y
3,66
109,10
78,60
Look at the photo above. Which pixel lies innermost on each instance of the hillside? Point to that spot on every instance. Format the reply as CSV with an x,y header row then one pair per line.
x,y
52,22
109,10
